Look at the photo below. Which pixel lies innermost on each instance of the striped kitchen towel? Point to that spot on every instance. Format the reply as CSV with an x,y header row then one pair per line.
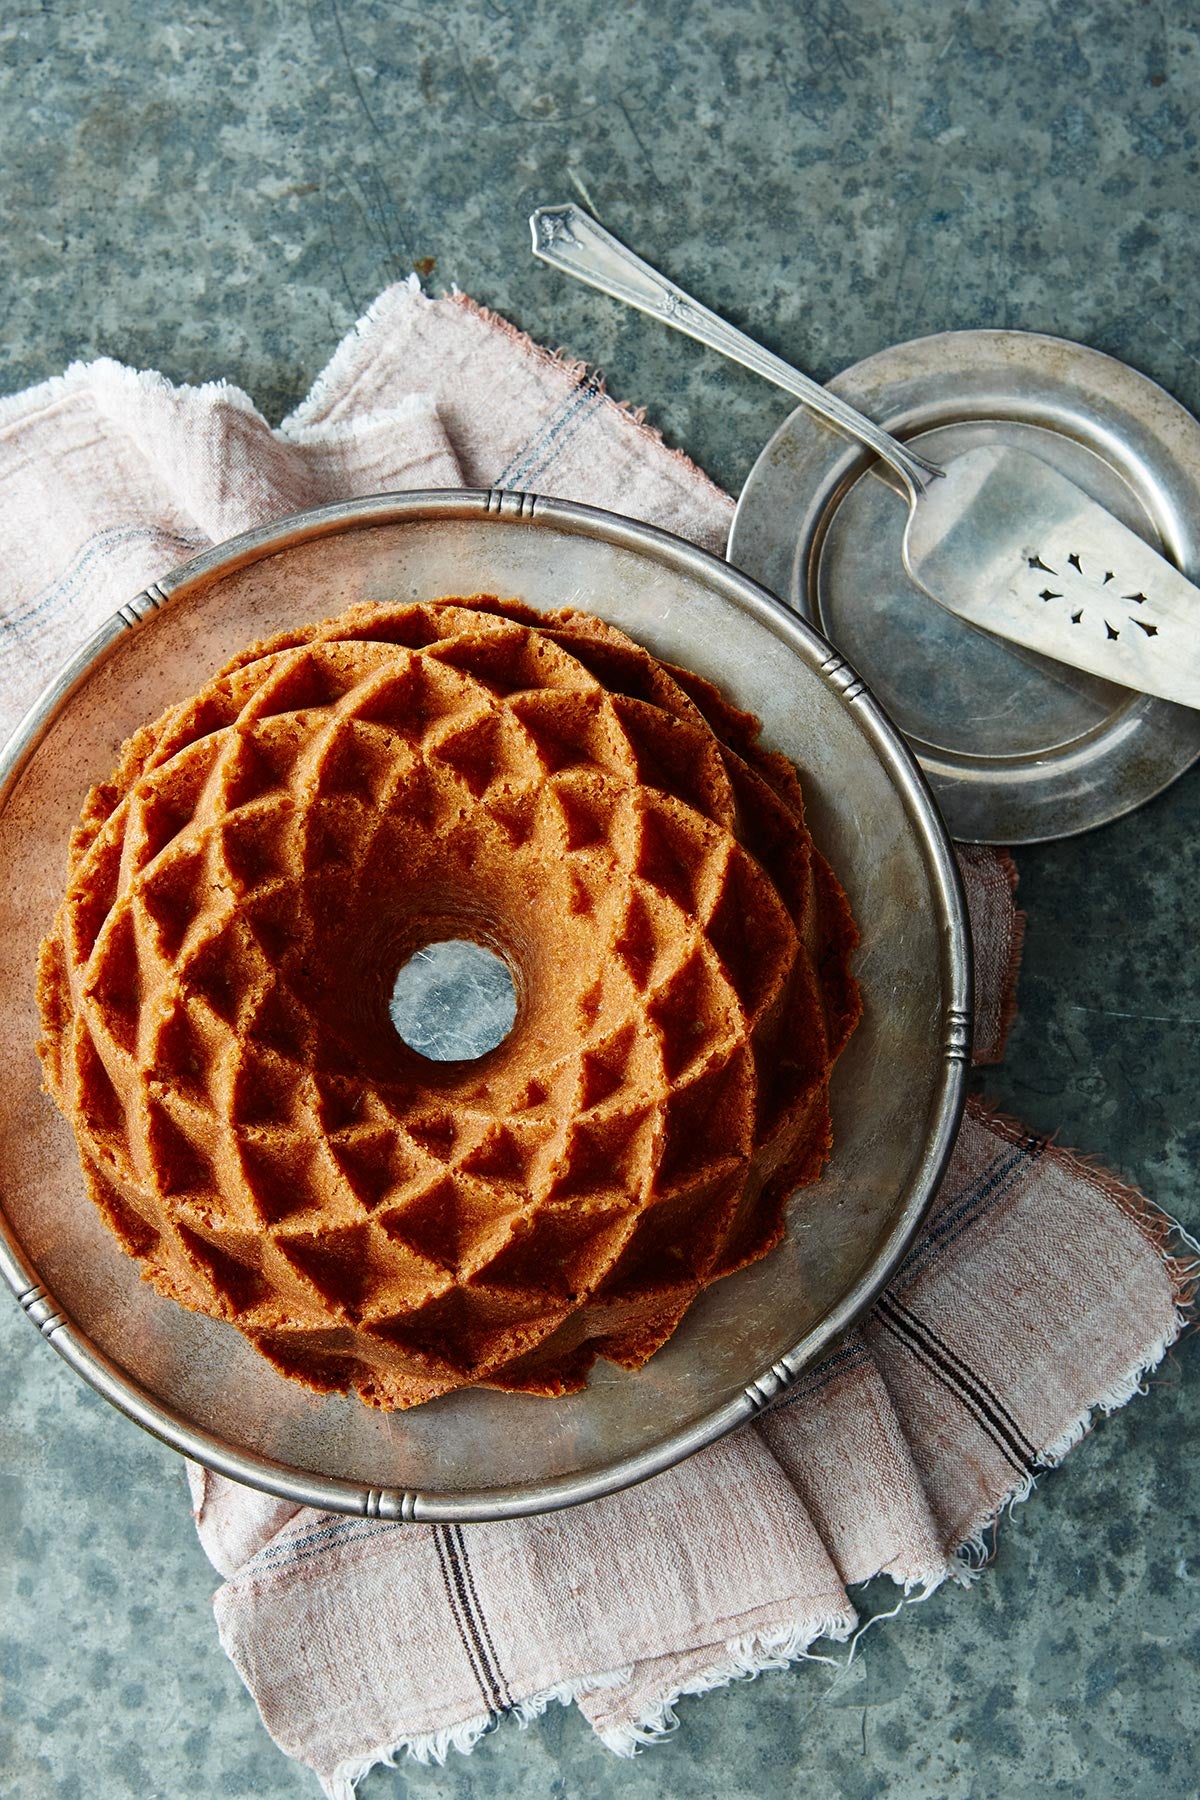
x,y
1039,1290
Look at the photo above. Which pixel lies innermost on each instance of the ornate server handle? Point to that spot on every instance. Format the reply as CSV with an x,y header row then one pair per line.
x,y
569,239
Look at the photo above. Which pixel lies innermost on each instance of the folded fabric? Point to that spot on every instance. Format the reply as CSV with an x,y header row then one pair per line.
x,y
1038,1291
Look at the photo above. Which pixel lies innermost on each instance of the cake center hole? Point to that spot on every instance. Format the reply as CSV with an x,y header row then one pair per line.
x,y
454,1001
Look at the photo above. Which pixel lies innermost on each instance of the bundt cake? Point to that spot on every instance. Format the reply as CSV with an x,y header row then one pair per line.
x,y
215,989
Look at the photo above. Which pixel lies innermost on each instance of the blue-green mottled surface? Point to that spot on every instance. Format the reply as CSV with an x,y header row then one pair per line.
x,y
221,190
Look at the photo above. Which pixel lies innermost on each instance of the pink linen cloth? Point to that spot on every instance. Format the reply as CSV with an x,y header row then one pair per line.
x,y
1038,1291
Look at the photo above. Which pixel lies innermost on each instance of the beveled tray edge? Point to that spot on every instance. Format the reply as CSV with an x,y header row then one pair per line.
x,y
337,1494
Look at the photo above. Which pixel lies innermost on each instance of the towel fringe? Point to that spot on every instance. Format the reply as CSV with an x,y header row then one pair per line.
x,y
567,1692
1122,1391
740,1660
106,369
328,432
427,1747
977,1548
301,418
435,1746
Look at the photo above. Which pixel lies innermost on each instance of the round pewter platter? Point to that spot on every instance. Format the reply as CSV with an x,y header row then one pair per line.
x,y
1018,749
897,1093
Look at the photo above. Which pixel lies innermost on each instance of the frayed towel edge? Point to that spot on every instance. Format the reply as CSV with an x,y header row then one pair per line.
x,y
435,1746
740,1660
309,414
93,377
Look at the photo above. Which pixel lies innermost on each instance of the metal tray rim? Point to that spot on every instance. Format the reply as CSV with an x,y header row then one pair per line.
x,y
339,1494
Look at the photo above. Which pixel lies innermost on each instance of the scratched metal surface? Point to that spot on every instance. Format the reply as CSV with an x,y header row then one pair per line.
x,y
221,193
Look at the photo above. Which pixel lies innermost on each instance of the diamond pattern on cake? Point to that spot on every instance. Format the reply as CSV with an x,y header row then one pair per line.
x,y
452,1222
645,944
672,755
708,1116
237,1279
480,751
101,1108
372,1160
753,933
623,1066
472,1329
85,911
158,813
174,895
507,1155
176,1162
241,893
609,1150
255,763
589,805
698,1015
281,1174
554,1251
567,730
134,1232
505,661
674,1239
114,990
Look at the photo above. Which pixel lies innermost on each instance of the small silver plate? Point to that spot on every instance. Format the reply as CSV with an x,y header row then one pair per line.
x,y
898,1089
1018,749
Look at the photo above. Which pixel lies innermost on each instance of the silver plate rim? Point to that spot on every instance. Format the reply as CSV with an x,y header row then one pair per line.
x,y
339,1494
775,530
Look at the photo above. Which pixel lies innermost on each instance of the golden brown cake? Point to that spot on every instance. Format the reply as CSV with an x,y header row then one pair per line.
x,y
214,995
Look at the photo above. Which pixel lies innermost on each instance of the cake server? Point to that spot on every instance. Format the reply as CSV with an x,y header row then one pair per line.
x,y
997,537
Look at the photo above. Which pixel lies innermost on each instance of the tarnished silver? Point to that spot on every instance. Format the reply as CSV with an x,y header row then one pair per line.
x,y
897,1093
1018,749
995,535
569,239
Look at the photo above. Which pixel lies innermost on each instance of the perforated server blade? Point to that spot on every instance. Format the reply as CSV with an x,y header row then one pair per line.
x,y
1012,546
